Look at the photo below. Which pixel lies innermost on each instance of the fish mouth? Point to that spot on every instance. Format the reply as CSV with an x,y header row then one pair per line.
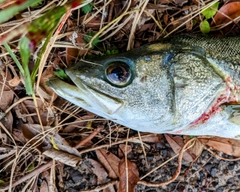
x,y
85,96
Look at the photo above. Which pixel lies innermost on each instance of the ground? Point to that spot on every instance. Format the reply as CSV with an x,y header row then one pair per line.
x,y
49,144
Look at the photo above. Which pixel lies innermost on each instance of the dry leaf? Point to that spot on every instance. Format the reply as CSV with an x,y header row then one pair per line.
x,y
43,186
14,82
152,138
109,161
225,14
129,176
123,150
46,114
47,92
6,99
225,145
196,150
99,171
30,132
176,142
63,157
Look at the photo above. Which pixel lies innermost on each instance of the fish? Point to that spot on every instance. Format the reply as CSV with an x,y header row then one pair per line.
x,y
186,85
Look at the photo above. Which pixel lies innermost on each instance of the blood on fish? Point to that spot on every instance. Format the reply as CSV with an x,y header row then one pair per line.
x,y
226,98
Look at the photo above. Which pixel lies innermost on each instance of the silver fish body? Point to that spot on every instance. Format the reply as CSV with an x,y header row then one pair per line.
x,y
181,85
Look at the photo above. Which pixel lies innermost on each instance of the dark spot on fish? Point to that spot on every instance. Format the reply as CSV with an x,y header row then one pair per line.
x,y
143,79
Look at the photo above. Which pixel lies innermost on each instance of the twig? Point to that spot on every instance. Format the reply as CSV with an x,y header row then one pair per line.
x,y
174,177
131,139
219,157
101,187
28,176
92,135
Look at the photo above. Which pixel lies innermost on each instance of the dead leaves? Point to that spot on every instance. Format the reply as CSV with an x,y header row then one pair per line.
x,y
228,146
129,175
227,17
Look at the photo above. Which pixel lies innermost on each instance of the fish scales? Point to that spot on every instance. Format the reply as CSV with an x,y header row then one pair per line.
x,y
181,85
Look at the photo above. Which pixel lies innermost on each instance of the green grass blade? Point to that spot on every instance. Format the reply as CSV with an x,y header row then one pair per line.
x,y
25,53
9,50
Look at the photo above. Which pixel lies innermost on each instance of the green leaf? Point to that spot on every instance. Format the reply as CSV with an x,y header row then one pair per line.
x,y
2,182
31,168
9,12
87,8
112,52
211,11
61,74
89,37
25,54
205,27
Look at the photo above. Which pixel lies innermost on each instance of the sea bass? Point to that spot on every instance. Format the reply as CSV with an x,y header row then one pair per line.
x,y
179,85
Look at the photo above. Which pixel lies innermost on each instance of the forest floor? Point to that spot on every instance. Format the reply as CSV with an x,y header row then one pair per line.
x,y
49,144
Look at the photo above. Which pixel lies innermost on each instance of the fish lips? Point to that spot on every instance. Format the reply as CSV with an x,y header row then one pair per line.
x,y
86,96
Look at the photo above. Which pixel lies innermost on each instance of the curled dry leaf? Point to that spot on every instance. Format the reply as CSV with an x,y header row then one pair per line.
x,y
14,82
129,175
196,150
176,142
225,145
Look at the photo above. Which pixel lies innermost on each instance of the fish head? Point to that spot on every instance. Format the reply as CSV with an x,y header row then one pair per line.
x,y
156,88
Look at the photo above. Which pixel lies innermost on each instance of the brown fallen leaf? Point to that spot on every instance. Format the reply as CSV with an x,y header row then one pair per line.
x,y
63,157
99,171
176,142
196,150
129,176
225,145
109,161
152,138
6,99
227,13
123,150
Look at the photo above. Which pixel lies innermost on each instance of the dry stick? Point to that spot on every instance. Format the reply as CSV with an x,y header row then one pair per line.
x,y
197,13
28,176
174,177
92,135
126,161
219,157
134,25
131,139
143,148
164,163
101,187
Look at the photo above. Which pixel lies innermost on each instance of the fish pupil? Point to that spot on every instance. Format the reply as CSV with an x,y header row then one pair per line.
x,y
118,73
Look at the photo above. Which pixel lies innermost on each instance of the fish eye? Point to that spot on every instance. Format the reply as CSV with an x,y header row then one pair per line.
x,y
118,73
